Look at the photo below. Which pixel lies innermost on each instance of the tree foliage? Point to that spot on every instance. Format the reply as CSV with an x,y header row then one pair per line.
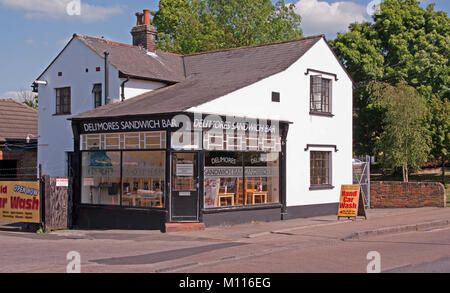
x,y
439,122
405,139
404,42
189,26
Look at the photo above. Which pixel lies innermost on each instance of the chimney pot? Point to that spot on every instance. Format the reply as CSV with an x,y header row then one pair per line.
x,y
146,17
144,34
139,18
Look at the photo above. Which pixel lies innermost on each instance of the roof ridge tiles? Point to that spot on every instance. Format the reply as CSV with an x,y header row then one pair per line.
x,y
256,46
105,41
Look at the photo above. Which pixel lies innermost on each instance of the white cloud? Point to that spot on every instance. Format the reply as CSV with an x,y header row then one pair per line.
x,y
58,9
320,17
18,96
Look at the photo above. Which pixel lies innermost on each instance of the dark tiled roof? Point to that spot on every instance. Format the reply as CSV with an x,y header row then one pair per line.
x,y
211,75
17,120
134,61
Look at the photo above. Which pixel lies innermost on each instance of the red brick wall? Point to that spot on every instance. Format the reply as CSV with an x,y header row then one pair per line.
x,y
390,194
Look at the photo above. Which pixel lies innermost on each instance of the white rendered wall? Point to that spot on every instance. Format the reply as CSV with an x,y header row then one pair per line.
x,y
135,87
293,85
55,131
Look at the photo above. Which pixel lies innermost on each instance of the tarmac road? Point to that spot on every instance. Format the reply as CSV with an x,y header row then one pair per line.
x,y
410,252
294,246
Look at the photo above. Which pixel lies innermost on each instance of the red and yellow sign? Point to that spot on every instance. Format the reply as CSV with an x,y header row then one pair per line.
x,y
348,202
20,201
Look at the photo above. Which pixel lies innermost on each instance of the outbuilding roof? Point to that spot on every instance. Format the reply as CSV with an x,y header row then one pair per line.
x,y
208,76
17,121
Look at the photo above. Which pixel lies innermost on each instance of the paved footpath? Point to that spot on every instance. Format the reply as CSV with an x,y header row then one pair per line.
x,y
319,244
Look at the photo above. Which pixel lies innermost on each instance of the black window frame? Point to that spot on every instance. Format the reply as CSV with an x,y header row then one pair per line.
x,y
323,87
328,170
97,93
63,102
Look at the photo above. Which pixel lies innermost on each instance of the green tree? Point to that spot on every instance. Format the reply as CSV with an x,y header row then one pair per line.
x,y
189,26
31,102
405,141
404,42
440,125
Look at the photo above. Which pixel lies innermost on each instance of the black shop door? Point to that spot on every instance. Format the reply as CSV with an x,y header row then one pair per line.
x,y
184,187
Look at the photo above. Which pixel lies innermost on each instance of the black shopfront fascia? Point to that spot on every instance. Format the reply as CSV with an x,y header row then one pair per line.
x,y
105,216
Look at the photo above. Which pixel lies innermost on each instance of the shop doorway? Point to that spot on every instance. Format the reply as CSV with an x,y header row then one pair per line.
x,y
184,205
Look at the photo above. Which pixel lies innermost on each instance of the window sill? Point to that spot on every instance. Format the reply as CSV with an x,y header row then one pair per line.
x,y
321,187
324,114
62,114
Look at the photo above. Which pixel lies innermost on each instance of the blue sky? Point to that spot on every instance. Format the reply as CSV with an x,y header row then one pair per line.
x,y
35,31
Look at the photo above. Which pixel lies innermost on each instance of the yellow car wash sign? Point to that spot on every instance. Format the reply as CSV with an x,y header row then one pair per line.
x,y
349,200
20,201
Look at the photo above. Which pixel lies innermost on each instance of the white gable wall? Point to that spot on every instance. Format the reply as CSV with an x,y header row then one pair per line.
x,y
135,87
294,86
55,131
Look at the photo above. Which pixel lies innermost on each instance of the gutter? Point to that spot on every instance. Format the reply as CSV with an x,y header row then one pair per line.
x,y
106,78
123,86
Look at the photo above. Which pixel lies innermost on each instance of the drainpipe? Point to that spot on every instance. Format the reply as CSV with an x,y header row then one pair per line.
x,y
106,78
123,87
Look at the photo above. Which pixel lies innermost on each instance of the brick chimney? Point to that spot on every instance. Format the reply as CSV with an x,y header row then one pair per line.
x,y
144,34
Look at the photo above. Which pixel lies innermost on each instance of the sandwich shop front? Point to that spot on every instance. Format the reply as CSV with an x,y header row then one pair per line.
x,y
140,172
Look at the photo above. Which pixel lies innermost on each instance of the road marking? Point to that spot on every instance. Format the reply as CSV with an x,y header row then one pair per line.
x,y
436,230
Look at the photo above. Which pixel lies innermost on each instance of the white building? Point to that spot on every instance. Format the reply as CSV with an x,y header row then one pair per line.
x,y
293,100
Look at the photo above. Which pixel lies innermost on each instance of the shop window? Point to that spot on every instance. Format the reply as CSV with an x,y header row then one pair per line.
x,y
63,100
136,182
261,178
223,179
97,92
320,92
227,185
186,140
219,141
126,141
320,169
101,178
143,174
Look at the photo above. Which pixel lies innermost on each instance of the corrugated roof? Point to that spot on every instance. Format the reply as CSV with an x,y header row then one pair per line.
x,y
211,75
17,120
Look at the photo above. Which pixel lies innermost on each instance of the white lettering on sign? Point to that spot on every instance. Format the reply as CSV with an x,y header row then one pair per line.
x,y
130,125
219,160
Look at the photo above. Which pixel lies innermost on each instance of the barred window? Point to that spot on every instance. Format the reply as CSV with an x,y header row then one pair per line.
x,y
63,100
320,163
320,94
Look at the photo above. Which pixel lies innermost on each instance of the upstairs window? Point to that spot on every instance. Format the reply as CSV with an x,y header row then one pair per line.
x,y
320,100
63,100
97,92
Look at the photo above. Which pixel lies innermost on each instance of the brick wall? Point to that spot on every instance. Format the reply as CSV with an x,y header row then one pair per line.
x,y
26,163
392,194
